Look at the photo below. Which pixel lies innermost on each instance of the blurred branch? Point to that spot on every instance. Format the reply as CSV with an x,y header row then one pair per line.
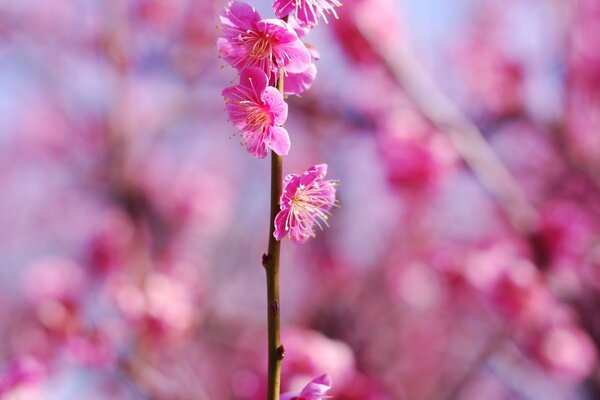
x,y
465,135
493,344
577,167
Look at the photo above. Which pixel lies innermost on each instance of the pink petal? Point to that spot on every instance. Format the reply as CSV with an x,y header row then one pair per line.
x,y
301,30
320,169
317,388
280,219
280,140
240,15
235,110
290,184
255,144
297,58
288,50
299,83
255,80
305,15
313,173
314,53
277,105
283,8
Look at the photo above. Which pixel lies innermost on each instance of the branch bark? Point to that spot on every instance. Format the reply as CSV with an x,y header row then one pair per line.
x,y
271,264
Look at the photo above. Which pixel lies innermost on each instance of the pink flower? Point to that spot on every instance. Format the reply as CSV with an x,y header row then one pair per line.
x,y
305,201
267,44
307,12
259,111
315,390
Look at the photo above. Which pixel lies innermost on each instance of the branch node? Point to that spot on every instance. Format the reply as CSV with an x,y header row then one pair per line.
x,y
274,308
280,352
265,260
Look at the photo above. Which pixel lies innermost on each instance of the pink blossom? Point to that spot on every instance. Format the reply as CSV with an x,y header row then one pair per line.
x,y
305,201
25,370
307,12
267,44
315,390
259,111
567,351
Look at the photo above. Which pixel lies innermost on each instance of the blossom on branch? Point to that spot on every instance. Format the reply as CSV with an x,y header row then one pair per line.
x,y
250,41
305,202
259,111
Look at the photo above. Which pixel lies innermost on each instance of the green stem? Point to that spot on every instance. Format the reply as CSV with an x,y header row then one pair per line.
x,y
271,264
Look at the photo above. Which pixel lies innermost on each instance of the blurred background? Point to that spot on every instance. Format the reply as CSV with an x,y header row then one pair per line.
x,y
463,262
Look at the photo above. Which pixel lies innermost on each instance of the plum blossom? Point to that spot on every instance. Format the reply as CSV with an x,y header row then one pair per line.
x,y
259,111
250,41
305,201
307,12
315,390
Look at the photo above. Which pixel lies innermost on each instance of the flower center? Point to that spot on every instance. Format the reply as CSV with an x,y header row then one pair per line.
x,y
261,47
257,118
310,204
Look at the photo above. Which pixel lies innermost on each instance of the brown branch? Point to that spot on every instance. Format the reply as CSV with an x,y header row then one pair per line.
x,y
271,263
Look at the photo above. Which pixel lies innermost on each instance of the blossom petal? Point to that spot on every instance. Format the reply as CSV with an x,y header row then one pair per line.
x,y
235,109
288,50
306,14
295,55
290,184
283,8
240,16
255,144
276,104
313,173
315,390
255,80
317,387
280,140
280,221
297,83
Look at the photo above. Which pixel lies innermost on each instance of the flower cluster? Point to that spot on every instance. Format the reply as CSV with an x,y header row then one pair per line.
x,y
262,51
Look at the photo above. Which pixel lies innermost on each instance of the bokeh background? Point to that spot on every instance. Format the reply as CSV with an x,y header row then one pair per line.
x,y
462,263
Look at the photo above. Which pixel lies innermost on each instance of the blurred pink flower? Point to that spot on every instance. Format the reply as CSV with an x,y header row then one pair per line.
x,y
259,111
309,352
382,17
22,378
163,308
92,350
315,390
307,12
568,352
249,41
305,201
53,279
